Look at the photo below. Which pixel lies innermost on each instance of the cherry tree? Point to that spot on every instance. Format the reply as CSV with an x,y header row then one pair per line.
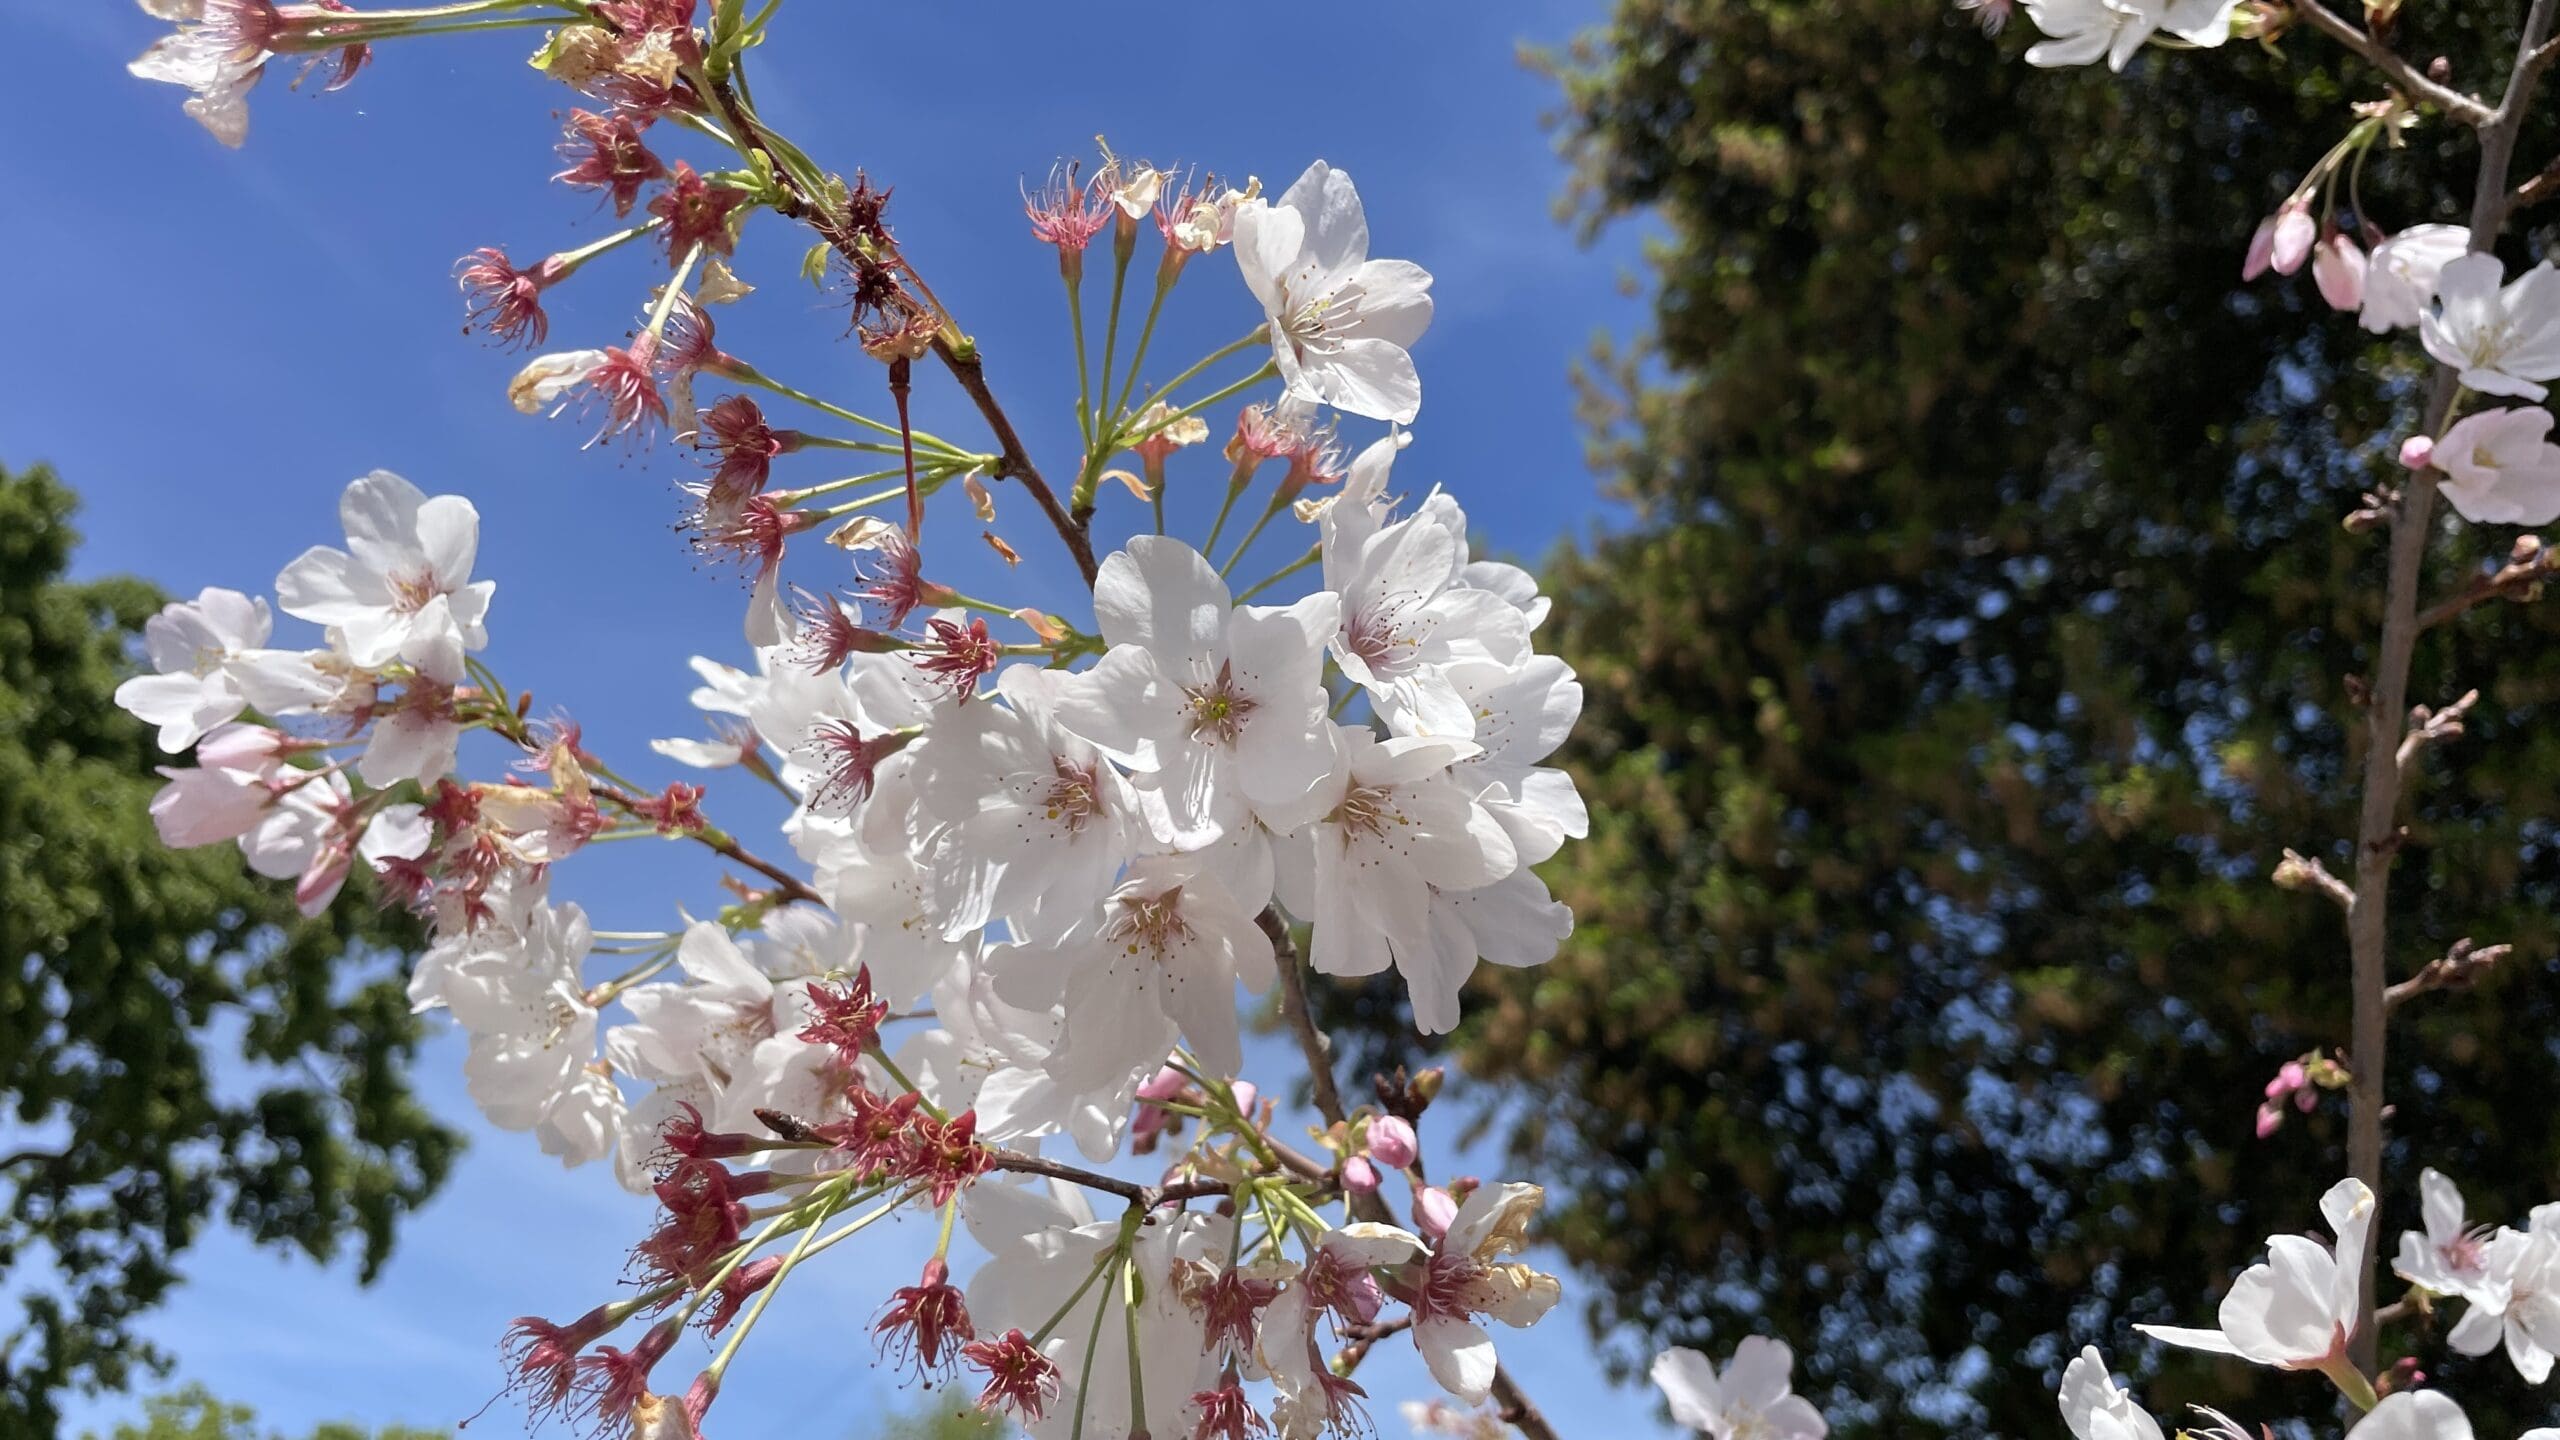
x,y
990,968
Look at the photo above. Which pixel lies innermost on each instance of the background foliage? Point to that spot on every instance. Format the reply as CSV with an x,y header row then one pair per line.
x,y
177,1045
1981,638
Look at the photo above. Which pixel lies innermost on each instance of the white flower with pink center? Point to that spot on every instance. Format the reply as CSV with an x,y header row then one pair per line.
x,y
402,589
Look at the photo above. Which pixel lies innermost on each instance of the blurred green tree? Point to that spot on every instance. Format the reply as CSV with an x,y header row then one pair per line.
x,y
176,1044
192,1413
1981,634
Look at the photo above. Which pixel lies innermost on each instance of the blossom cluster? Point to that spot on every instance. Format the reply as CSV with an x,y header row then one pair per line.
x,y
1037,863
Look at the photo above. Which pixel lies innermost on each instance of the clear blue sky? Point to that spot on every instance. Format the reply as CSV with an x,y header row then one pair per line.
x,y
209,345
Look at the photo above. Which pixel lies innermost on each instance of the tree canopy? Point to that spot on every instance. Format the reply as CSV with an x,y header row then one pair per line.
x,y
177,1045
1984,633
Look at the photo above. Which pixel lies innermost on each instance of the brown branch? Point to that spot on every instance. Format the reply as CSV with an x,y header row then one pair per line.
x,y
2538,189
1348,1358
2528,565
1517,1408
970,370
2459,968
2397,70
2299,872
2386,706
1145,1197
967,367
722,843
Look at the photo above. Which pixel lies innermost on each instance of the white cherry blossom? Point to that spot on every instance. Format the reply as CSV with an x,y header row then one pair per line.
x,y
1162,958
194,648
1219,707
2503,338
402,589
1341,323
1030,824
2519,1300
2450,1257
2400,276
2096,1408
2501,468
1752,1398
2296,1310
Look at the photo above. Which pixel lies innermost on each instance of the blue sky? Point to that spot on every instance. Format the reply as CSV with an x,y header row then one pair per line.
x,y
209,345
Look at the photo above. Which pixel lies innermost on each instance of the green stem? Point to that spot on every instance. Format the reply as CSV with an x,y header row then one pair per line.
x,y
1250,536
1137,1376
570,260
1269,371
1255,336
747,374
1075,321
1105,425
1092,1344
1314,554
1101,1263
826,1204
1146,335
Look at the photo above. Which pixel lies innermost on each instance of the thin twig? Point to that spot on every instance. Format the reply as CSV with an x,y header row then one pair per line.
x,y
720,842
2459,968
1145,1197
2399,71
1516,1406
2528,565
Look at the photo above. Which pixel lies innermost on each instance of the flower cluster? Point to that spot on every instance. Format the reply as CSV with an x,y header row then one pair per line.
x,y
1036,863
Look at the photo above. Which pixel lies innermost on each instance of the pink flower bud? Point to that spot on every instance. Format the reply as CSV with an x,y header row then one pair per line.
x,y
1163,1085
2418,452
1246,1097
2262,249
2293,1075
1432,1212
1392,1142
2270,1116
2305,1098
2338,269
2295,233
1359,1176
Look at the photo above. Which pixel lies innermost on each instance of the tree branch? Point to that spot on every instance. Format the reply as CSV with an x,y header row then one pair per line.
x,y
1517,1408
2397,70
2528,565
2459,968
722,843
1145,1197
2386,705
969,368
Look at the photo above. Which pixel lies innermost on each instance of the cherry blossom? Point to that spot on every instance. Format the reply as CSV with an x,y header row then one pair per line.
x,y
194,646
402,589
1341,323
1751,1398
2449,1257
2296,1310
2500,467
1218,707
2517,1301
1165,957
2503,339
2096,1408
2080,32
2400,280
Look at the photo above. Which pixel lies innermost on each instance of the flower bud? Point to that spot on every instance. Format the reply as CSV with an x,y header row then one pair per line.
x,y
2338,269
2262,249
2418,452
2294,234
1433,1209
1392,1142
1359,1176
